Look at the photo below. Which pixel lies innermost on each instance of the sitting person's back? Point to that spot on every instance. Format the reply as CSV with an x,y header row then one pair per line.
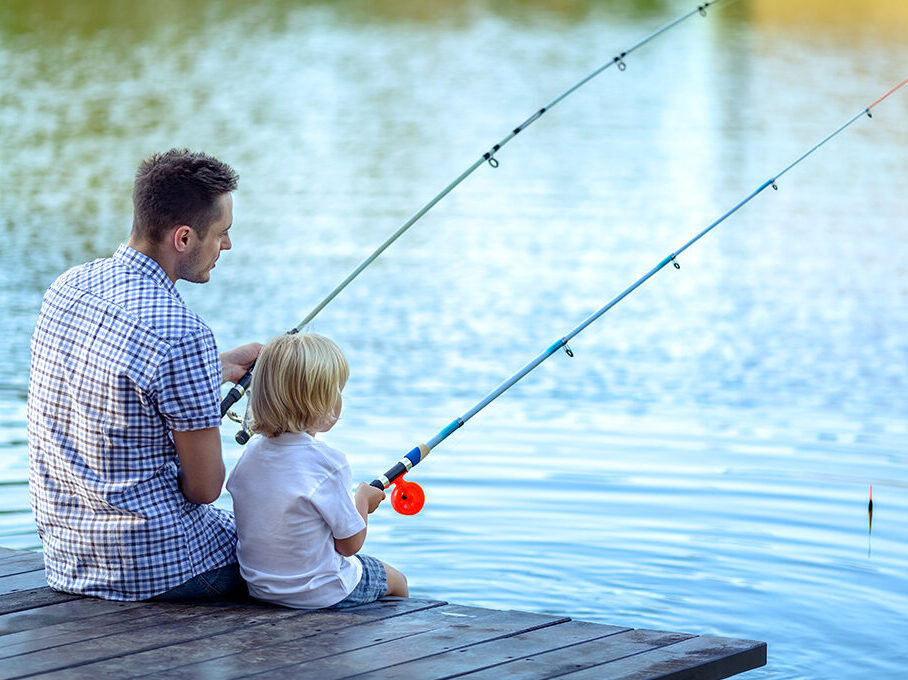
x,y
123,407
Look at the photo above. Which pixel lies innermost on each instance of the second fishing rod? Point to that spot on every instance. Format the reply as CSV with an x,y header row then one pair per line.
x,y
237,391
407,497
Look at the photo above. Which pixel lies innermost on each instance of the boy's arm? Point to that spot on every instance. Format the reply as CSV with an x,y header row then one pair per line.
x,y
366,500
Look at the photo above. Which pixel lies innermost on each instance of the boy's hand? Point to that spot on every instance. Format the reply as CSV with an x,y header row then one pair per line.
x,y
369,496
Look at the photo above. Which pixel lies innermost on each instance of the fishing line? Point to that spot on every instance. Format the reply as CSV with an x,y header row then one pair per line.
x,y
408,498
237,391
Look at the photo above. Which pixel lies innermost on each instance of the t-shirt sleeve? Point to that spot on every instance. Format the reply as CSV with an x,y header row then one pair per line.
x,y
335,504
188,383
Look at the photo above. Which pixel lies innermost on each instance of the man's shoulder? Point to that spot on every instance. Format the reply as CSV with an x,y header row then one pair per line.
x,y
134,297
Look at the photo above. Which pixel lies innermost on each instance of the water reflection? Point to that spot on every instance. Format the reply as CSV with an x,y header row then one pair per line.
x,y
49,20
879,19
726,420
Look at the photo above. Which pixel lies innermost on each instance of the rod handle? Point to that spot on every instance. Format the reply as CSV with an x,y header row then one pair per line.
x,y
414,456
236,392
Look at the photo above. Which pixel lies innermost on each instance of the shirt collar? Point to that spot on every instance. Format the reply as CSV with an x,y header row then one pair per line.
x,y
146,266
292,438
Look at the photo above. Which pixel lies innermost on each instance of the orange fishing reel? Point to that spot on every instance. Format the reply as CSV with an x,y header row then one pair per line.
x,y
407,498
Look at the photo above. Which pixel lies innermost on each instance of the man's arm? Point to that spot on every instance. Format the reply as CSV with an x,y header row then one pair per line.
x,y
202,469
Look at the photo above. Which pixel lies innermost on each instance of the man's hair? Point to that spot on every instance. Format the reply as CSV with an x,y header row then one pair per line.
x,y
179,187
297,381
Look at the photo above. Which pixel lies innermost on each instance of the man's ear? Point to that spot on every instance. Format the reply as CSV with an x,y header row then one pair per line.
x,y
182,235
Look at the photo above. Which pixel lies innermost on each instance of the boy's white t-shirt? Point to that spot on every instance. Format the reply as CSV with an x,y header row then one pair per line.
x,y
292,498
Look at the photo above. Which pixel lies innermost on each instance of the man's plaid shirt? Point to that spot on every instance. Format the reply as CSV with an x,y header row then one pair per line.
x,y
118,361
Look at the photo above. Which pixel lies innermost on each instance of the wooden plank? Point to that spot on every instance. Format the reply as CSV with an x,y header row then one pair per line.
x,y
497,655
27,590
28,580
25,561
698,658
161,624
170,645
118,621
544,665
29,599
326,663
317,645
49,620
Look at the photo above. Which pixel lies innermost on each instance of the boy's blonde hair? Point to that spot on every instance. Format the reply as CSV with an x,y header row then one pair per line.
x,y
297,381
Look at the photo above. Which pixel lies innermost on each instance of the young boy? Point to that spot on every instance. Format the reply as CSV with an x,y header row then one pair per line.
x,y
299,530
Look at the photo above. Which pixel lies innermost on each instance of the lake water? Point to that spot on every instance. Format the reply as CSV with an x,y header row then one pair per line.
x,y
704,461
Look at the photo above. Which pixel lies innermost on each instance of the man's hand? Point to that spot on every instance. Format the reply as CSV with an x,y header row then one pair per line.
x,y
235,362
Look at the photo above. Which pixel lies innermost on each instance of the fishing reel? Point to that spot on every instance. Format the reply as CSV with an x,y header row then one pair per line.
x,y
407,498
245,432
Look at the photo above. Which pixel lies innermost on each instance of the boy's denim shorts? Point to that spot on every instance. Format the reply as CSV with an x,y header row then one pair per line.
x,y
372,586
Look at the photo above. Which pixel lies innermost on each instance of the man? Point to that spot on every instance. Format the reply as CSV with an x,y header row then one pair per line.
x,y
123,405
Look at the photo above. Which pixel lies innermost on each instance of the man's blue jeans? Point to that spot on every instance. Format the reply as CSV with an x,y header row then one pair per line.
x,y
224,582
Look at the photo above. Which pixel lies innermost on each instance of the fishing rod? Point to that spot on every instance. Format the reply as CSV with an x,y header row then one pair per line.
x,y
237,391
408,497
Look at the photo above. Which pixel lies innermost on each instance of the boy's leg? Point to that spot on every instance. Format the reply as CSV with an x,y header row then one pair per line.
x,y
372,586
396,581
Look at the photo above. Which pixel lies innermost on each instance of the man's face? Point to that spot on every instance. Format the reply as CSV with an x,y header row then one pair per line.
x,y
199,259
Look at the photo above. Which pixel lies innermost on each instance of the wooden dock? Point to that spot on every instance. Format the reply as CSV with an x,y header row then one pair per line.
x,y
45,634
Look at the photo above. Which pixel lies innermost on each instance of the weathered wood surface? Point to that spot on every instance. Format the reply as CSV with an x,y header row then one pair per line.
x,y
44,634
22,584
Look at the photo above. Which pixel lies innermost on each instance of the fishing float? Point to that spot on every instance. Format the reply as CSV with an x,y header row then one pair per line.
x,y
408,498
239,389
869,519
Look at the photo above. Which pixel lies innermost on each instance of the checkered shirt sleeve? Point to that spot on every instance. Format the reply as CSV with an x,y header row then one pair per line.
x,y
186,386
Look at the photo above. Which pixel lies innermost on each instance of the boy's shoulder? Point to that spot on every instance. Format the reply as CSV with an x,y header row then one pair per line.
x,y
328,456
